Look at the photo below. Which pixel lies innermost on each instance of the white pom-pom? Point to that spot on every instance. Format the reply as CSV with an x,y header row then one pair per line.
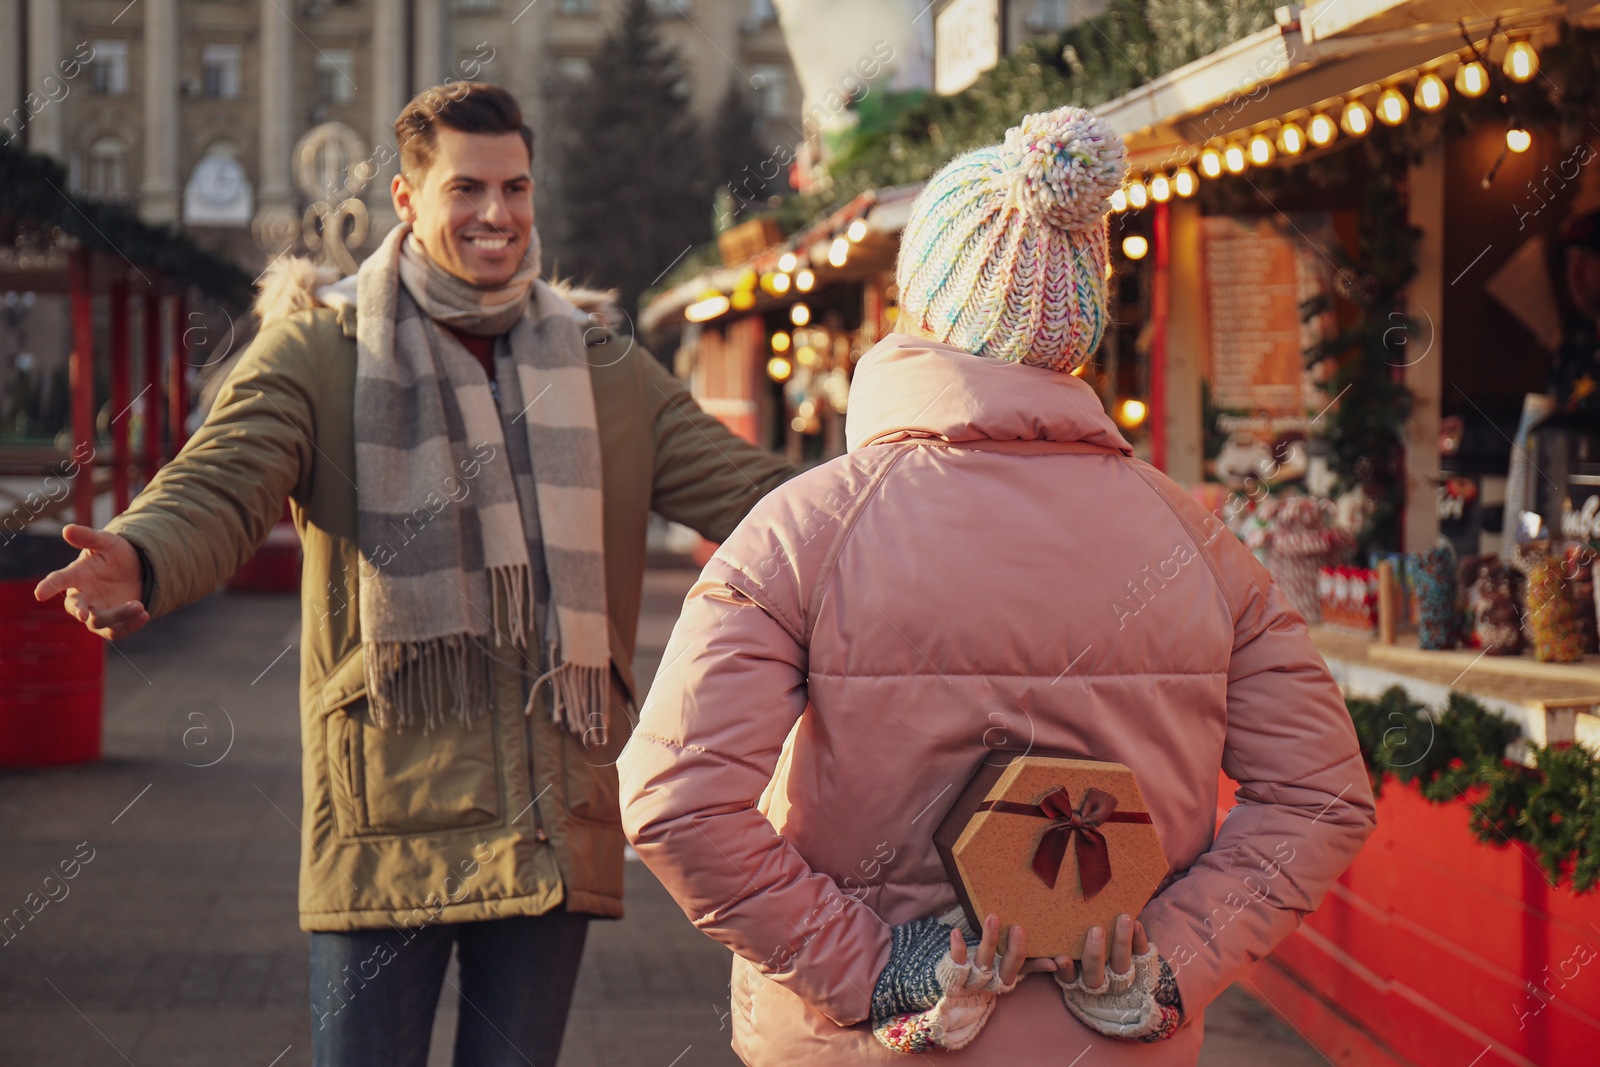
x,y
1061,165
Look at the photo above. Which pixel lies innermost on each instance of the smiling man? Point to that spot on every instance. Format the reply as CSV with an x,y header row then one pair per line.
x,y
471,462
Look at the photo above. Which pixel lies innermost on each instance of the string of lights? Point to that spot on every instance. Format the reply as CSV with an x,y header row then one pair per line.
x,y
1349,116
790,274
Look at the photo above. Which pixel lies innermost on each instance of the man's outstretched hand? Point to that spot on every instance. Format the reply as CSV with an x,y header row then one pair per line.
x,y
103,585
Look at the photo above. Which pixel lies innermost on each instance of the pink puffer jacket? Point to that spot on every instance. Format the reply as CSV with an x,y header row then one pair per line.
x,y
988,567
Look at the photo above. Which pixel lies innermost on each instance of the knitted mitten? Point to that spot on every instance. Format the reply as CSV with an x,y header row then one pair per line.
x,y
924,999
1140,1005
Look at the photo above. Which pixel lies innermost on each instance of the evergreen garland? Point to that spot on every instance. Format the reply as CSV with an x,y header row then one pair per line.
x,y
1089,63
1552,807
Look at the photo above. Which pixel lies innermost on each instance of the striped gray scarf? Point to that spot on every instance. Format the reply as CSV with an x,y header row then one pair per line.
x,y
460,533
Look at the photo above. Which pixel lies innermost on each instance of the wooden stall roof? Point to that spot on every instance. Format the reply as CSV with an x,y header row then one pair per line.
x,y
884,212
1313,55
41,223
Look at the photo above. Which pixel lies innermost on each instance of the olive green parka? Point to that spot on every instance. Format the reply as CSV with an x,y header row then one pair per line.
x,y
513,815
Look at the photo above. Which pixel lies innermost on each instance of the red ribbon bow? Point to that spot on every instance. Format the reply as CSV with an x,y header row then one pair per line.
x,y
1078,826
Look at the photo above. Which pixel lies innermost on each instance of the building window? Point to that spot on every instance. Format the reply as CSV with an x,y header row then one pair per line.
x,y
1048,16
577,7
219,71
107,173
336,75
218,192
108,71
573,68
772,89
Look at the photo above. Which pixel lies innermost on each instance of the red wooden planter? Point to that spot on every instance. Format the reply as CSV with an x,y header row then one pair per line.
x,y
1436,949
52,670
275,568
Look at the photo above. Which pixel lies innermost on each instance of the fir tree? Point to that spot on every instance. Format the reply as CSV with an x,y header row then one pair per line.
x,y
629,164
737,162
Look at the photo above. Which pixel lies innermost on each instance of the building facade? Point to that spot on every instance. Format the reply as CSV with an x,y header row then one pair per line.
x,y
190,111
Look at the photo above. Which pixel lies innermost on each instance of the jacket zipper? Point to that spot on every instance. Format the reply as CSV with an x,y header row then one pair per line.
x,y
533,780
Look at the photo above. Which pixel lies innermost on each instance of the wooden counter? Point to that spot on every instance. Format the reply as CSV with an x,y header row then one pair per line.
x,y
1518,686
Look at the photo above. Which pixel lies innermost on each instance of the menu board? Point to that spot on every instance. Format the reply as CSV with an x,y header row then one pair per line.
x,y
1260,400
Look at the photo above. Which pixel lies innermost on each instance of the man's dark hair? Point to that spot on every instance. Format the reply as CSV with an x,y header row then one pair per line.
x,y
468,107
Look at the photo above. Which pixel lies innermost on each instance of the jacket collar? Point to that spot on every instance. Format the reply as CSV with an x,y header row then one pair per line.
x,y
296,283
912,387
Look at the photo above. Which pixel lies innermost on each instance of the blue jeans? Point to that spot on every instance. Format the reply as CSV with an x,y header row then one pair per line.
x,y
373,992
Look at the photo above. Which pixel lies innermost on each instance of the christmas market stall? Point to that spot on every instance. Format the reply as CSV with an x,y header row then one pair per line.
x,y
104,341
769,339
1370,341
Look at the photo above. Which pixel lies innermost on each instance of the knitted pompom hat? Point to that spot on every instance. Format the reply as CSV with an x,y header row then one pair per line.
x,y
1005,252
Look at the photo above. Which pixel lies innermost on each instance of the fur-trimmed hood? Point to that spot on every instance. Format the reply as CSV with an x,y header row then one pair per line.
x,y
298,283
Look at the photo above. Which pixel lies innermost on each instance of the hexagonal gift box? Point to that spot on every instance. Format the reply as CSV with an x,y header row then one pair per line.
x,y
1053,844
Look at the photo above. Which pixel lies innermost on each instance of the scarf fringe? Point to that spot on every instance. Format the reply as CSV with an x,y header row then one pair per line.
x,y
577,701
455,666
510,593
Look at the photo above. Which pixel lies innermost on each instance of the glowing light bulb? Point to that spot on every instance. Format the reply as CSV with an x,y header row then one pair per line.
x,y
1138,195
1393,107
1291,139
1160,189
804,281
1132,412
1119,200
839,252
799,314
780,284
1211,163
708,307
787,262
1521,62
1472,79
780,342
1262,152
742,300
857,230
1233,158
1518,140
1431,93
1134,246
1356,119
1322,130
1184,182
779,369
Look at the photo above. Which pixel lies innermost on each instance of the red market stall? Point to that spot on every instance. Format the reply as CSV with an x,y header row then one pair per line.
x,y
122,293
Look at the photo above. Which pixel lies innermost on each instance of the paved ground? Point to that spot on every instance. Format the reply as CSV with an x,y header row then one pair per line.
x,y
177,944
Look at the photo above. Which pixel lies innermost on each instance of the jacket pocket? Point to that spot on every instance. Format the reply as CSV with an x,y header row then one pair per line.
x,y
589,764
391,782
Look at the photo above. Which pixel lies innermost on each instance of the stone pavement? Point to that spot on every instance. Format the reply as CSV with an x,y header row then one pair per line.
x,y
177,944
